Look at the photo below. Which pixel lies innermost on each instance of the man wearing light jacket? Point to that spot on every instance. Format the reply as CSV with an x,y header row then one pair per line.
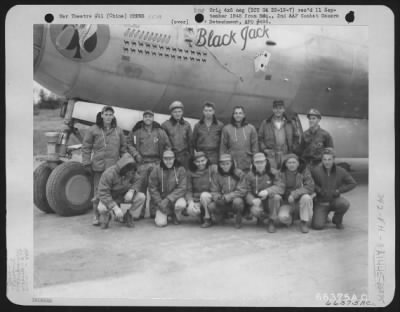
x,y
102,146
198,194
239,139
330,182
118,184
167,187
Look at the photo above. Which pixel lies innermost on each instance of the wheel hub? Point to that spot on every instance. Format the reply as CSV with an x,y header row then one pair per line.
x,y
77,189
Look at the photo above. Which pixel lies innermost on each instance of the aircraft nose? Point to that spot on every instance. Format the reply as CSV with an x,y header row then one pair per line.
x,y
38,40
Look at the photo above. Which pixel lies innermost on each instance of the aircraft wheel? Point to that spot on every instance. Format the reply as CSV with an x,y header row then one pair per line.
x,y
69,189
40,177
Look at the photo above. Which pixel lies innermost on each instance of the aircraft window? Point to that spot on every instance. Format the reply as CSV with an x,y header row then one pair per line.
x,y
146,35
159,38
136,33
141,34
151,36
169,38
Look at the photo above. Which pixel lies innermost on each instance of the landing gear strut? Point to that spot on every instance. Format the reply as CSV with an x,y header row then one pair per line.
x,y
61,185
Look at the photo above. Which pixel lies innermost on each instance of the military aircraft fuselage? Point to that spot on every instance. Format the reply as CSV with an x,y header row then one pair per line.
x,y
147,67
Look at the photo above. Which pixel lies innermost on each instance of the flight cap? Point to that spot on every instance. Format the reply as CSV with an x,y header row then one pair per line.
x,y
259,157
168,154
277,103
314,112
290,156
225,157
148,112
175,104
329,151
198,155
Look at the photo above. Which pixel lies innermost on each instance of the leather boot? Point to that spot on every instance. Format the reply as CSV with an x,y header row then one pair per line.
x,y
207,223
271,226
303,226
337,220
238,220
174,219
129,220
104,220
96,214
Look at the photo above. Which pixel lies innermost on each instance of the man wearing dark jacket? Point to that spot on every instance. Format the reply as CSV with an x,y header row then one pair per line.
x,y
167,187
146,143
315,139
228,188
278,135
119,184
207,133
179,132
330,182
298,188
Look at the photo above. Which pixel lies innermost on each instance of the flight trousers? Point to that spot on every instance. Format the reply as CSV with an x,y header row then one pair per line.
x,y
339,205
302,208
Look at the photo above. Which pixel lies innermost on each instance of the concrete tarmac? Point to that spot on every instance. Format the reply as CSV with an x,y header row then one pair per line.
x,y
188,265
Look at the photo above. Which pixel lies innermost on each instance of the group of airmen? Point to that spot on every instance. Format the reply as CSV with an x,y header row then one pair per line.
x,y
216,172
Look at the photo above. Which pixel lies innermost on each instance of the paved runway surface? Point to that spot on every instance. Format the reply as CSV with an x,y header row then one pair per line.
x,y
216,266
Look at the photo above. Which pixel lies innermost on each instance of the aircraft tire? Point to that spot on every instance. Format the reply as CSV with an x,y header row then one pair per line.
x,y
40,177
69,189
